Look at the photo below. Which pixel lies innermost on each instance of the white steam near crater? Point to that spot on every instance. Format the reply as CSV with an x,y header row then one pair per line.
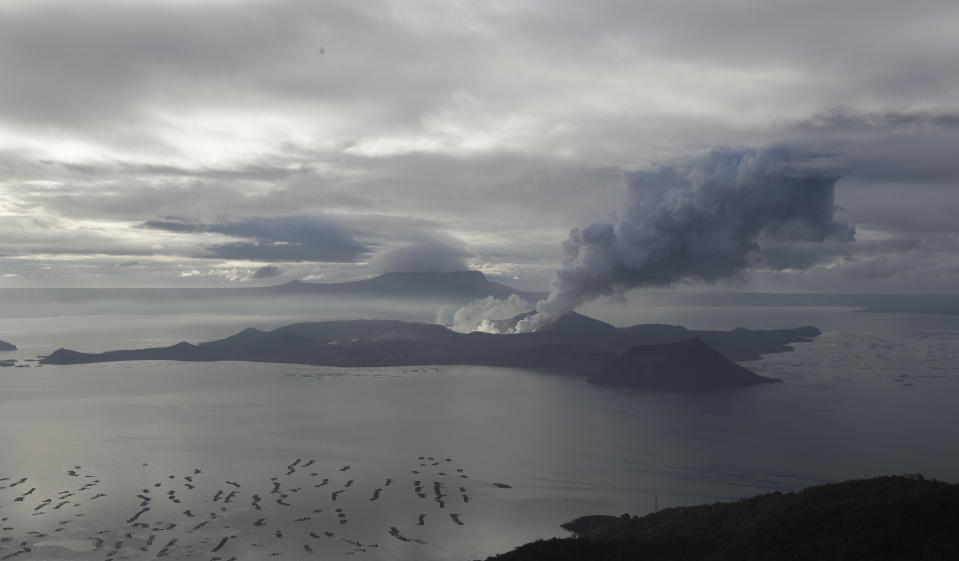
x,y
481,315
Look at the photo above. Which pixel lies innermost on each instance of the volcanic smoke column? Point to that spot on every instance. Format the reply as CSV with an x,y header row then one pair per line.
x,y
707,220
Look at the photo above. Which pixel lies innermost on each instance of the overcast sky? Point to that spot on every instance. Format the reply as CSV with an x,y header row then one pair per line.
x,y
243,142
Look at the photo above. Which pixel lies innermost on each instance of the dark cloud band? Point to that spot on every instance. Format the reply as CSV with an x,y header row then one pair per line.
x,y
276,239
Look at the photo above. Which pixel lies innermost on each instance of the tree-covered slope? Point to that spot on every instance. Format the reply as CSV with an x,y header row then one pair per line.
x,y
880,519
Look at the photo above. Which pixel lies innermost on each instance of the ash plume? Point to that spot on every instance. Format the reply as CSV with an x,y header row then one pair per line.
x,y
705,220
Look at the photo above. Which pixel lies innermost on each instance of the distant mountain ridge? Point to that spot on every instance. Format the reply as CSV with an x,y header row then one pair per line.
x,y
461,284
649,357
4,346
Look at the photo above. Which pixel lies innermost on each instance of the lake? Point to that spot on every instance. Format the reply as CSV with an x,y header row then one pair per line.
x,y
242,460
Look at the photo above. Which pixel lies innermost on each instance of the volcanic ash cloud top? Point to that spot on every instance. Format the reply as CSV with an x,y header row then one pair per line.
x,y
704,220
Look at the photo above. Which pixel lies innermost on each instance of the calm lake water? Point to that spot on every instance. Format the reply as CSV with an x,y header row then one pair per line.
x,y
252,460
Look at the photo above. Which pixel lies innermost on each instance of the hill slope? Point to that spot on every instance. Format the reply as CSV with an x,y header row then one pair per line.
x,y
882,519
690,365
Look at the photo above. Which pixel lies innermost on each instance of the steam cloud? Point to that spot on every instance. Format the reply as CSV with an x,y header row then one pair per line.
x,y
702,221
482,314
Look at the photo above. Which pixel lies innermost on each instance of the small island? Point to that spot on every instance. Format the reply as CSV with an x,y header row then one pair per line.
x,y
652,357
4,346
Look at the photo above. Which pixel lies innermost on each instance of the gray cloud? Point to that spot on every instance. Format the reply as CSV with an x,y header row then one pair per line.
x,y
906,263
294,238
849,120
705,220
267,272
501,124
425,255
